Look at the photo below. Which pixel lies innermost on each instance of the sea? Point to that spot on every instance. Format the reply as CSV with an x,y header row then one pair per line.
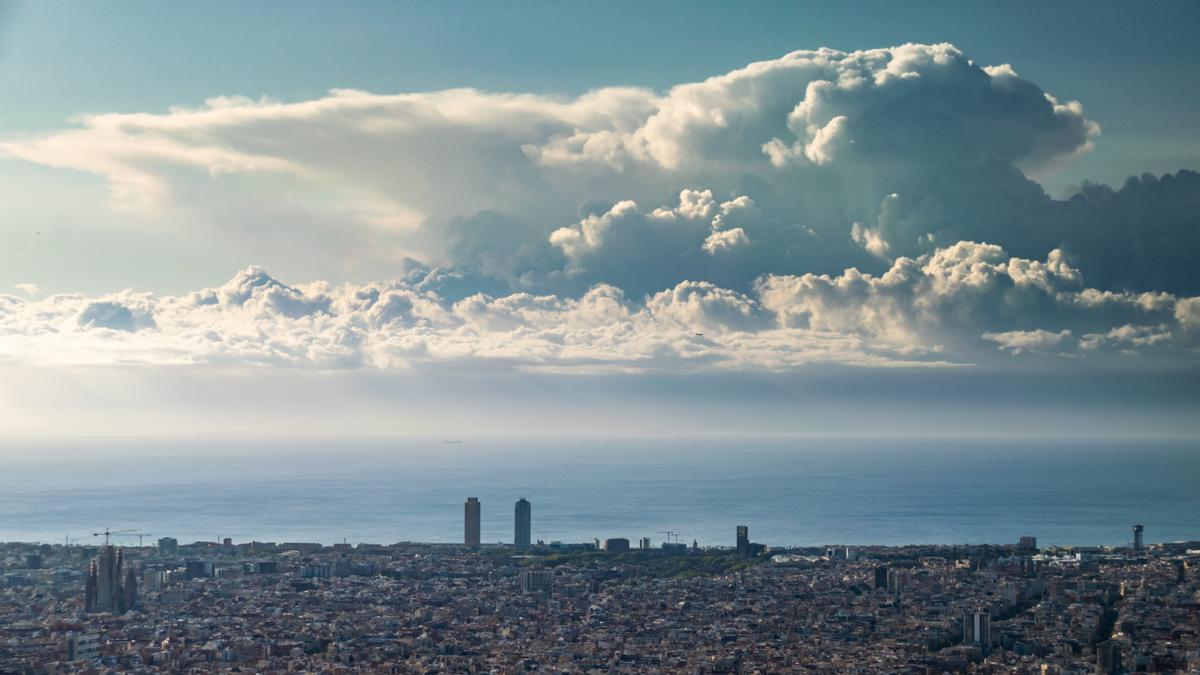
x,y
794,491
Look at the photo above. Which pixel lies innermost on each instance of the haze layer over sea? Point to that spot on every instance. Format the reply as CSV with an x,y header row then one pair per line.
x,y
805,491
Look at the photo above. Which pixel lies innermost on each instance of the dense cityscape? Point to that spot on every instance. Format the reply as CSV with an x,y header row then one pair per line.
x,y
605,606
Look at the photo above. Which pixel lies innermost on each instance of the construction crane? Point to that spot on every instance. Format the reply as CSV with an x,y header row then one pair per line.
x,y
110,533
671,533
139,535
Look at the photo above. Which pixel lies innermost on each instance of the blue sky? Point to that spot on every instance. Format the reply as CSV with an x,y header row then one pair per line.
x,y
557,195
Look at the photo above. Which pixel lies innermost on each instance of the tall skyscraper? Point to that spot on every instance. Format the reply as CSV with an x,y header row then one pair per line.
x,y
111,586
521,534
1137,537
743,540
471,533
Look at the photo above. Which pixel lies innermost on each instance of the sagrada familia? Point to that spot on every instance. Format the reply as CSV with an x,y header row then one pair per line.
x,y
111,586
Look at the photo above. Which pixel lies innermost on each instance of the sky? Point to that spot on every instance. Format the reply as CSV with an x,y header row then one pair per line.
x,y
445,218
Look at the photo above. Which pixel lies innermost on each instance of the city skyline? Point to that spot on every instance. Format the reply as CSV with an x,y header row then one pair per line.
x,y
107,581
108,572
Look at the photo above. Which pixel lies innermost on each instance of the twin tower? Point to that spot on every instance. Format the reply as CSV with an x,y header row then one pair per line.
x,y
521,529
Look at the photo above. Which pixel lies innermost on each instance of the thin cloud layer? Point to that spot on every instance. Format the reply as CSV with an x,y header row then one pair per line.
x,y
926,311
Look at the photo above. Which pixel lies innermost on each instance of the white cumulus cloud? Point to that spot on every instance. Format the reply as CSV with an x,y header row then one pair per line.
x,y
865,207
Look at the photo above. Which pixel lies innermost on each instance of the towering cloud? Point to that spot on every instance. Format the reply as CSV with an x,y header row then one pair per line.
x,y
873,207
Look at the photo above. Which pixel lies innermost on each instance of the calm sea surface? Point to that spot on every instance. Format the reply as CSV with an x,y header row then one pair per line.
x,y
805,492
